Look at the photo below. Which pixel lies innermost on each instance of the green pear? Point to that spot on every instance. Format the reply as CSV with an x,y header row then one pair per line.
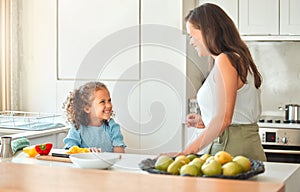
x,y
211,168
191,157
231,168
243,161
174,168
163,162
189,169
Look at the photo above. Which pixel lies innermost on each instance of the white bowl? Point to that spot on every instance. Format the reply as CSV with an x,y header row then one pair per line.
x,y
92,161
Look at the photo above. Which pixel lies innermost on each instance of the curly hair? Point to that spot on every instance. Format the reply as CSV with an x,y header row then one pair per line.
x,y
221,36
78,99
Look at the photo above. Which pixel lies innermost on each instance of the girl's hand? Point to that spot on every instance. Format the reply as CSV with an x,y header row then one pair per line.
x,y
194,120
119,150
94,149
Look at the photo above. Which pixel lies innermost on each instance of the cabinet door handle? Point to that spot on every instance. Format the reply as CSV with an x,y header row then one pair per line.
x,y
282,151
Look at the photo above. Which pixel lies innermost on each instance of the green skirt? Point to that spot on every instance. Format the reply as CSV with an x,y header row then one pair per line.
x,y
240,140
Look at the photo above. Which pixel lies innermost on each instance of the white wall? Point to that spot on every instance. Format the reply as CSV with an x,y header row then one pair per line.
x,y
38,55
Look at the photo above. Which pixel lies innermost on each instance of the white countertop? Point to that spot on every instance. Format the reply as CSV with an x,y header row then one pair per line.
x,y
128,162
289,173
15,134
274,172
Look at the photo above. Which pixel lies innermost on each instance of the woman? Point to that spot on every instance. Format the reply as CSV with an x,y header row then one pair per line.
x,y
229,99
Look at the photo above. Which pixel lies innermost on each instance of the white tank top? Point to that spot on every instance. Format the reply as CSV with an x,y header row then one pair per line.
x,y
247,108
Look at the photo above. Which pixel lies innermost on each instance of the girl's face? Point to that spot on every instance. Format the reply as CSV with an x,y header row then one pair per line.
x,y
196,40
101,107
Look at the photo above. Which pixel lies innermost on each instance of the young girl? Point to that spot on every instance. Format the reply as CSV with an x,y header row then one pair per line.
x,y
89,110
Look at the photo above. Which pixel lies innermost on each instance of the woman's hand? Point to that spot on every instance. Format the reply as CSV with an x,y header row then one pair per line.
x,y
170,154
191,149
194,120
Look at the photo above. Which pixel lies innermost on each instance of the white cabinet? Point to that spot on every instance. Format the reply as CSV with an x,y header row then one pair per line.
x,y
55,137
144,67
259,17
98,39
162,85
269,17
229,6
274,19
43,139
289,17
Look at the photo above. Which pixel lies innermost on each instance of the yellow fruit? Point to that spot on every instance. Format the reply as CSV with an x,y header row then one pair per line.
x,y
30,151
182,158
174,168
75,149
205,156
243,161
210,158
189,169
191,156
231,168
211,168
198,162
223,157
163,162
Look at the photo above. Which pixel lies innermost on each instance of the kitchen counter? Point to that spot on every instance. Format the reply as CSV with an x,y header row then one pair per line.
x,y
33,134
25,177
53,135
287,173
66,176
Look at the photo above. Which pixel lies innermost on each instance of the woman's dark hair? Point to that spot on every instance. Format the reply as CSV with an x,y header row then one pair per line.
x,y
78,99
220,35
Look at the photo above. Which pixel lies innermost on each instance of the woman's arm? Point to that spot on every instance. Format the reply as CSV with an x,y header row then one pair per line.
x,y
226,82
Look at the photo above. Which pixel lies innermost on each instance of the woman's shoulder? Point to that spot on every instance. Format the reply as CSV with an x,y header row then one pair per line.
x,y
223,61
221,58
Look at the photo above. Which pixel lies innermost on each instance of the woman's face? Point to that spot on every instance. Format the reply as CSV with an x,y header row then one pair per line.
x,y
101,107
196,40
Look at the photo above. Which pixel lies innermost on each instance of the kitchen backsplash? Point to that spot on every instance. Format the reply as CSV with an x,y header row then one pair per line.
x,y
278,63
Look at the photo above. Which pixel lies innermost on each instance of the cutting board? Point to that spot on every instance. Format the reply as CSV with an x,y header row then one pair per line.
x,y
51,158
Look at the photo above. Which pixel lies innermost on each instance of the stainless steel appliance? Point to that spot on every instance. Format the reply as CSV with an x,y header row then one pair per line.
x,y
292,113
6,150
280,139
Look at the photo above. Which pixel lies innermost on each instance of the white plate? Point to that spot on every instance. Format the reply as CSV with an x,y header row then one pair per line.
x,y
91,161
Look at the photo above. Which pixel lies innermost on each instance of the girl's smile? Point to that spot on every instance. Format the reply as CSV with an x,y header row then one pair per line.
x,y
100,109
